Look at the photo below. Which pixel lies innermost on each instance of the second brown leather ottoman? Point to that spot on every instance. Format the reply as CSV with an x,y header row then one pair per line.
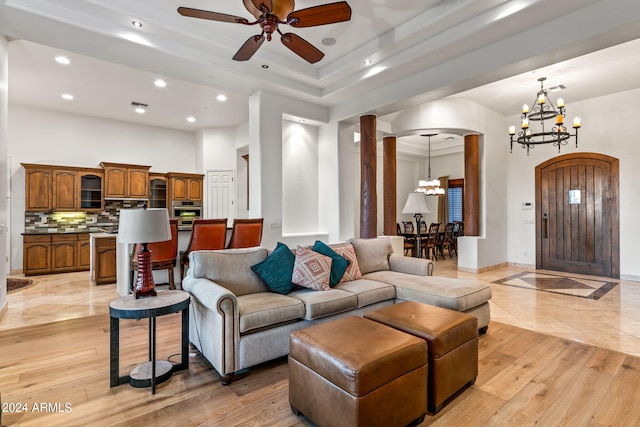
x,y
452,338
356,372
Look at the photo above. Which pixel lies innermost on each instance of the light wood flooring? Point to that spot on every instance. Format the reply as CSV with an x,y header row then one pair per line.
x,y
54,350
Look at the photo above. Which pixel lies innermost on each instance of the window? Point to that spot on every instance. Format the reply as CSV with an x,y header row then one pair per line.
x,y
456,198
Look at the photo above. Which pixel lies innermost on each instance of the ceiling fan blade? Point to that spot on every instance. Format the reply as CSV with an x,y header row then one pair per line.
x,y
249,48
302,48
320,15
263,5
212,16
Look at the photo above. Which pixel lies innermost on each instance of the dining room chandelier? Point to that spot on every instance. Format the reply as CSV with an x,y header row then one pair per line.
x,y
543,110
430,187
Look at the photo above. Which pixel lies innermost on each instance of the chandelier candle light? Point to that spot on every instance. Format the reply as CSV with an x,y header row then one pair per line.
x,y
430,187
543,110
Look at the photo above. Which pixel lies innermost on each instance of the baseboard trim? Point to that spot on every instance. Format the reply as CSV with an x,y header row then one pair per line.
x,y
483,269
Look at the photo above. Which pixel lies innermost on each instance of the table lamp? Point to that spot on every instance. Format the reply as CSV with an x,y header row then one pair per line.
x,y
144,226
417,205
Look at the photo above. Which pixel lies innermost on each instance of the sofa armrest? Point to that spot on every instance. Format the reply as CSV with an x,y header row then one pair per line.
x,y
214,328
409,265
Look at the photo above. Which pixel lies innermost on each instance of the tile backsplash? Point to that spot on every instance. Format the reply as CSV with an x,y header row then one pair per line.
x,y
56,222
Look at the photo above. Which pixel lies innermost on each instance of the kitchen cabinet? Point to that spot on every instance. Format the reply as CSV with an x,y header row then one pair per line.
x,y
64,253
157,190
185,186
123,181
104,260
55,253
60,188
84,252
91,194
65,190
38,187
36,255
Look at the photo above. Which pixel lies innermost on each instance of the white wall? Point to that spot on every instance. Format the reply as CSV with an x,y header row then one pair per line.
x,y
74,140
299,178
4,185
608,127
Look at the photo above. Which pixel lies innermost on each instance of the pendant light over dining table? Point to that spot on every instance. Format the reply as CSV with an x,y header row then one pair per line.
x,y
430,187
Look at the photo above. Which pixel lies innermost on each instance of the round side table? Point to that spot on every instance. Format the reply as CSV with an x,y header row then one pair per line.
x,y
128,307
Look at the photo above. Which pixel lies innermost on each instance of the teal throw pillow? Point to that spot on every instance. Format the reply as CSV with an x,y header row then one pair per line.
x,y
339,263
276,269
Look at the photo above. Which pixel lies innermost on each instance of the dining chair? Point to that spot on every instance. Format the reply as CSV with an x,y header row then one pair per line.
x,y
428,245
246,233
446,242
206,234
163,255
409,242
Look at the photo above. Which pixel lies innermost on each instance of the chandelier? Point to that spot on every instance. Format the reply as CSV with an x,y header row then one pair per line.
x,y
543,110
430,187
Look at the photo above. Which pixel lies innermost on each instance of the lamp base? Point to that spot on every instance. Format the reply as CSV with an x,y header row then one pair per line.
x,y
145,287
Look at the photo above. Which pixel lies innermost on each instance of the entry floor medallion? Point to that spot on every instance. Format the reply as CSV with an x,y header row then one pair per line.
x,y
572,286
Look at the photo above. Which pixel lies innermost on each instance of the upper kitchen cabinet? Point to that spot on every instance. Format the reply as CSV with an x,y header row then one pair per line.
x,y
124,181
38,188
65,190
157,190
61,188
91,197
185,186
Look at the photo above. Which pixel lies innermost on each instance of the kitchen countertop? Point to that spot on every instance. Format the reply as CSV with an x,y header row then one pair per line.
x,y
43,232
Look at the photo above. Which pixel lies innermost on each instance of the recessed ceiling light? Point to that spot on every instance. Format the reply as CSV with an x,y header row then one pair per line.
x,y
160,83
329,41
67,96
136,24
265,66
191,119
368,61
221,97
61,59
140,110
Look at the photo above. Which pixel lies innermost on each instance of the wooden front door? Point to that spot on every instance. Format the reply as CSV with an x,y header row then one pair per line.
x,y
577,227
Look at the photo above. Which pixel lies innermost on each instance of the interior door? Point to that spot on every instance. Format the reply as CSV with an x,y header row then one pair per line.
x,y
220,195
577,215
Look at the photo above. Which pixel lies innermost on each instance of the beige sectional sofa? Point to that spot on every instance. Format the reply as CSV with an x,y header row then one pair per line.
x,y
237,322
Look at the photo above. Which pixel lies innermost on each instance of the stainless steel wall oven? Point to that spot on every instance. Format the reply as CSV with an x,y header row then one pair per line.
x,y
185,212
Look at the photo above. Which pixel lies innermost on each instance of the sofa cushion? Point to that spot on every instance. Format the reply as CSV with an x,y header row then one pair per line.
x,y
311,270
368,291
446,292
230,268
264,309
339,263
353,270
320,304
277,269
373,254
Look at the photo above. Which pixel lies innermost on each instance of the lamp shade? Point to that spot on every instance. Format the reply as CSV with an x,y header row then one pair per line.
x,y
144,225
416,203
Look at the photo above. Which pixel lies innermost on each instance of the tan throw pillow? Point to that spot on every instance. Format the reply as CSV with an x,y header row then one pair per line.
x,y
353,270
373,254
311,270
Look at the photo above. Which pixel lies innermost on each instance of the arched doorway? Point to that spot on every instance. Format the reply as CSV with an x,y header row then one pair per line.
x,y
577,218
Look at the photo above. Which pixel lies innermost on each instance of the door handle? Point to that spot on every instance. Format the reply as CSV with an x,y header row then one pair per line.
x,y
545,226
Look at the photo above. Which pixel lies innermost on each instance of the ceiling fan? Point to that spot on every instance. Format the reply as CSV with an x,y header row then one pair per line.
x,y
269,14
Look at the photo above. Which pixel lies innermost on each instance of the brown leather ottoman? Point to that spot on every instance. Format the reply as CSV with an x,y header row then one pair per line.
x,y
452,338
356,372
